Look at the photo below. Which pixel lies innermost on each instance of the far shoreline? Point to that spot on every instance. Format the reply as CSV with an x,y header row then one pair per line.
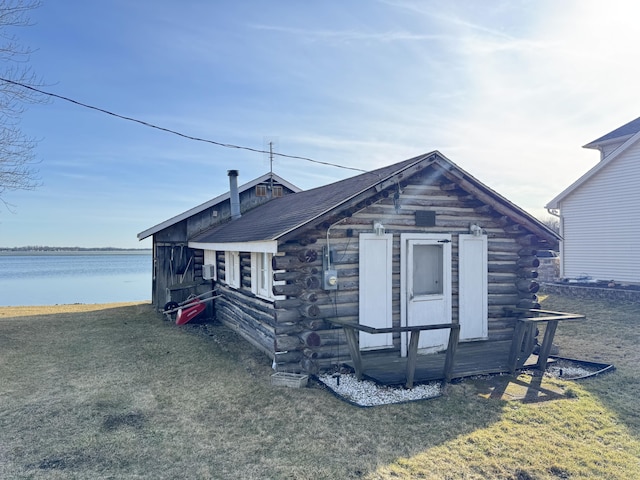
x,y
8,312
123,251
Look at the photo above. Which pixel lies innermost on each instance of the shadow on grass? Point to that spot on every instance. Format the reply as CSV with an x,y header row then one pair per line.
x,y
610,334
123,392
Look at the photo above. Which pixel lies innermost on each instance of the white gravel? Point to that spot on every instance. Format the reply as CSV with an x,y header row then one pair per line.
x,y
369,394
568,370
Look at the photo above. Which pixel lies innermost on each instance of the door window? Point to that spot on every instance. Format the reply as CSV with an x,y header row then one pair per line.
x,y
427,270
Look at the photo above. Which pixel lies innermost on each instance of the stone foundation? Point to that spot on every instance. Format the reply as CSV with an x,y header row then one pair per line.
x,y
595,292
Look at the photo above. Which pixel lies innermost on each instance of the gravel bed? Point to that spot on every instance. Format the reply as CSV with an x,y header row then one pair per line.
x,y
569,370
368,394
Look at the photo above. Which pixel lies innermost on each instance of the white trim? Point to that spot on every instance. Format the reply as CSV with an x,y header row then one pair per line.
x,y
210,258
232,272
267,246
259,286
404,272
257,267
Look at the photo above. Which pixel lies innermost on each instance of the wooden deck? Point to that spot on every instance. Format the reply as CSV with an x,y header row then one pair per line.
x,y
459,359
471,358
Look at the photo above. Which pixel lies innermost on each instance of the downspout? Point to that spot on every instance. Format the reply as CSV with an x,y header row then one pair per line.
x,y
556,213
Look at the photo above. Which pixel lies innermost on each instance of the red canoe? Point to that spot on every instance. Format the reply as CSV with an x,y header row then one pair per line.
x,y
190,312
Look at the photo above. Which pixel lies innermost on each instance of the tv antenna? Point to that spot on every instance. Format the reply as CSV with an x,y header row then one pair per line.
x,y
270,144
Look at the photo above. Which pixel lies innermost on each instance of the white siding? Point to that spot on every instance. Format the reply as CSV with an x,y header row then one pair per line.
x,y
601,223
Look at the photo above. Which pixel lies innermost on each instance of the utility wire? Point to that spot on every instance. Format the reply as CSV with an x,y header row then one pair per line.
x,y
189,137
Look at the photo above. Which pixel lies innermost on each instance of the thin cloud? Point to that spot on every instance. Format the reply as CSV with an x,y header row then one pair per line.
x,y
340,36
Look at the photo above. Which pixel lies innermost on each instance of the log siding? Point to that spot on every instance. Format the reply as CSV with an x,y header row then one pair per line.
x,y
294,330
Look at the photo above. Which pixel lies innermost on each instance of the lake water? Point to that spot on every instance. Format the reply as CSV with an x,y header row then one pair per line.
x,y
50,278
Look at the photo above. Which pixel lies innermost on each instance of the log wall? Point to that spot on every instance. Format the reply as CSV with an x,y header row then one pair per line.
x,y
315,345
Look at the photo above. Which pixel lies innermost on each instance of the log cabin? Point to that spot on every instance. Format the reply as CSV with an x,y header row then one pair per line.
x,y
353,271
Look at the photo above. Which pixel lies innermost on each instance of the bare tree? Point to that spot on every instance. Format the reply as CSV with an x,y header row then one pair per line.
x,y
552,222
17,156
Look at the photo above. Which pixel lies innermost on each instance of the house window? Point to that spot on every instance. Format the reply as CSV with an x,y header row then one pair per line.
x,y
232,268
261,276
209,267
263,191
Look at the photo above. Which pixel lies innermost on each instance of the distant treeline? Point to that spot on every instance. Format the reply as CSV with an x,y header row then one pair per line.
x,y
37,248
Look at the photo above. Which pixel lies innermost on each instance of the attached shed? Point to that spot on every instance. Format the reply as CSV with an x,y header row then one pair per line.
x,y
600,215
389,252
177,268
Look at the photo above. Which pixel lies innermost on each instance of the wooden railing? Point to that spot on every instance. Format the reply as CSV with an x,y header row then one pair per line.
x,y
350,331
526,325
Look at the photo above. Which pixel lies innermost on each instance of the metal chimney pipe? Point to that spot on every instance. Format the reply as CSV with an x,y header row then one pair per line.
x,y
233,194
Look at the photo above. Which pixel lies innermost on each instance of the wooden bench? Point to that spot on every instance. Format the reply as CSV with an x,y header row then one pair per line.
x,y
351,329
525,324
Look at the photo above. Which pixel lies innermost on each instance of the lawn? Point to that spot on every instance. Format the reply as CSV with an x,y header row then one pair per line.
x,y
115,391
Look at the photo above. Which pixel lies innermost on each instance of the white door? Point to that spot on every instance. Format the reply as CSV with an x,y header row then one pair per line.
x,y
427,287
376,257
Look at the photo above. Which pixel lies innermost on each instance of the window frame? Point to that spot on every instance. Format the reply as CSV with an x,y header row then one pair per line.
x,y
262,276
232,272
210,258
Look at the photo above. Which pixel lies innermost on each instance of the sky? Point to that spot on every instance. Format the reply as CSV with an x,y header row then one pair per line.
x,y
507,90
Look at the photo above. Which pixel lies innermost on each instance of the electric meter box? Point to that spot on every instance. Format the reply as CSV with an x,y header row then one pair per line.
x,y
330,280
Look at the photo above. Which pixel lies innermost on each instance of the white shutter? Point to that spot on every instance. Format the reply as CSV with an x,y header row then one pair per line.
x,y
473,290
376,256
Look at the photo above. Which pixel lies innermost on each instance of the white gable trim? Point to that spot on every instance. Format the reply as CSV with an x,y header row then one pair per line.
x,y
555,203
269,246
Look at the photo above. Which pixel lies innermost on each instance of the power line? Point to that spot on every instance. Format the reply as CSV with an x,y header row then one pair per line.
x,y
167,130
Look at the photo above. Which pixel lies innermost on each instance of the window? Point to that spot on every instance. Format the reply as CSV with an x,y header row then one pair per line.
x,y
261,276
263,191
209,268
232,268
427,270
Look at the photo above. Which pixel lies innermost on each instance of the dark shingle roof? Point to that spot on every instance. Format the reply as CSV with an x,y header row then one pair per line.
x,y
627,129
274,219
281,215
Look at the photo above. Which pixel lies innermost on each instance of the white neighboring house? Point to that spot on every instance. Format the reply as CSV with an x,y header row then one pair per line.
x,y
600,212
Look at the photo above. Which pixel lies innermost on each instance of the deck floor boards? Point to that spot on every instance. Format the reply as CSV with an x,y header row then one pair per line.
x,y
472,358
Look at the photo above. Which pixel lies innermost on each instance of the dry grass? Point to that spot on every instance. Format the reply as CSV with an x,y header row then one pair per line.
x,y
116,392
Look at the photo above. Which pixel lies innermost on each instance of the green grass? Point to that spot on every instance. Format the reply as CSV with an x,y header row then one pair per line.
x,y
117,392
